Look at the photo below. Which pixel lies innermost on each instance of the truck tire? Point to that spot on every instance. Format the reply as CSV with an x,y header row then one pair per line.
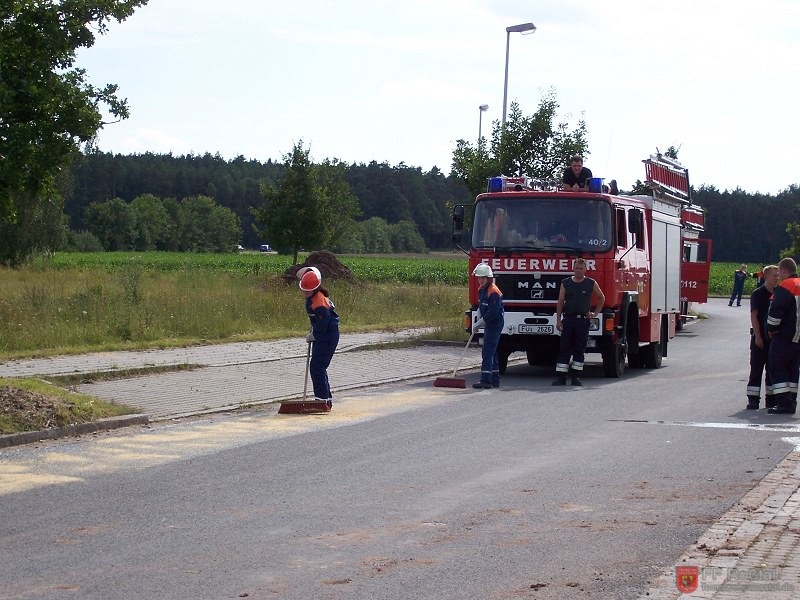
x,y
502,360
614,360
652,355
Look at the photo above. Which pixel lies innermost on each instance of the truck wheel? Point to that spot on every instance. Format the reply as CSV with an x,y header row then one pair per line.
x,y
614,360
652,355
681,319
502,361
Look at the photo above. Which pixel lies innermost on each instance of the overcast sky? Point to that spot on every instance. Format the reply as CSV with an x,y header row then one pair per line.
x,y
400,82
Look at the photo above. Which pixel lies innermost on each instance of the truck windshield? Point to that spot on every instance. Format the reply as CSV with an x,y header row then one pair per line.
x,y
553,224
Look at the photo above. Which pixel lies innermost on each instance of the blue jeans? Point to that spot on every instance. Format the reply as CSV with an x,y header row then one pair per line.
x,y
321,354
490,367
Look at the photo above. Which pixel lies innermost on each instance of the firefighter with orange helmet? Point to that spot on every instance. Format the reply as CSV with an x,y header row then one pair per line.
x,y
491,318
324,334
783,327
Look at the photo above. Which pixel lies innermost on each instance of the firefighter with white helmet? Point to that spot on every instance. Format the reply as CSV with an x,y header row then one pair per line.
x,y
324,334
490,317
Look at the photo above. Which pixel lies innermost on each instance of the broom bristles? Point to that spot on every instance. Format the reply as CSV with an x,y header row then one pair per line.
x,y
451,382
299,408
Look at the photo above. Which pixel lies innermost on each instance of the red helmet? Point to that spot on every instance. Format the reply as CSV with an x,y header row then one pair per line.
x,y
310,278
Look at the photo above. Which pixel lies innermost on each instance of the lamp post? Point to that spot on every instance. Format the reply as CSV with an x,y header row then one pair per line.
x,y
481,109
522,28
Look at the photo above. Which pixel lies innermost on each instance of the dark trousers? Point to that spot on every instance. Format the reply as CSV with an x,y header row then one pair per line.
x,y
736,293
574,336
490,367
758,365
321,354
783,365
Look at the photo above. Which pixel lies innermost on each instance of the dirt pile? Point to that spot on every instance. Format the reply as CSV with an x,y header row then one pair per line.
x,y
328,265
24,410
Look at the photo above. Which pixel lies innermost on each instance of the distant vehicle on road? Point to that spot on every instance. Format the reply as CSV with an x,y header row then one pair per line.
x,y
265,248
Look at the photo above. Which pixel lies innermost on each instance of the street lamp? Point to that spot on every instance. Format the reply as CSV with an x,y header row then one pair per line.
x,y
524,29
481,109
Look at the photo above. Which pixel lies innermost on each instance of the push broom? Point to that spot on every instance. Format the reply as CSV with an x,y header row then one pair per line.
x,y
453,381
294,407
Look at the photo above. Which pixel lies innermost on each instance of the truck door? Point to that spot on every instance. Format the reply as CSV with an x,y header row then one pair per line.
x,y
695,270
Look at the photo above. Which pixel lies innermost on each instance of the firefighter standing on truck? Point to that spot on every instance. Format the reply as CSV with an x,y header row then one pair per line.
x,y
783,327
490,317
575,304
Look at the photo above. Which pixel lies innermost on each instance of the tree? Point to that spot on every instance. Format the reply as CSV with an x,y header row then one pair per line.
x,y
208,227
113,223
152,223
532,146
375,236
311,207
336,202
47,107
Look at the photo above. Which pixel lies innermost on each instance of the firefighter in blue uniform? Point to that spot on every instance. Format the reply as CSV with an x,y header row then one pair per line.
x,y
759,340
575,304
783,327
324,334
491,318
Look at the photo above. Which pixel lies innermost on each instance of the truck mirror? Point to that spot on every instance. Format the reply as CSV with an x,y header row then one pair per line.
x,y
635,221
458,217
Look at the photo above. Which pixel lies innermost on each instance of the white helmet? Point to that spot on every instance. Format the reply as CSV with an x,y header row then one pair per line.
x,y
310,278
482,270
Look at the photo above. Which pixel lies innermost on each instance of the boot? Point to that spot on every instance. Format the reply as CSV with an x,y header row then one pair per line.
x,y
576,378
753,402
784,405
561,379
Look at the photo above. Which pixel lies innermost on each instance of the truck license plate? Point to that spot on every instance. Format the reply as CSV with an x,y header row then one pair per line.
x,y
536,329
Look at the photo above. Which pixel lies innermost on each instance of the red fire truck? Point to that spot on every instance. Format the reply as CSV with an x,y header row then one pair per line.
x,y
645,252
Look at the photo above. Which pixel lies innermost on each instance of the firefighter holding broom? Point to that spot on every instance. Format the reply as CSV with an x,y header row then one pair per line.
x,y
324,334
491,318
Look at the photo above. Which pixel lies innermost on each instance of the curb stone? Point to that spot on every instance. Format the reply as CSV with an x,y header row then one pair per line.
x,y
29,437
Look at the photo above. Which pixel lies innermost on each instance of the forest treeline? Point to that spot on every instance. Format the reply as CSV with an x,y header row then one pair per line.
x,y
396,194
742,226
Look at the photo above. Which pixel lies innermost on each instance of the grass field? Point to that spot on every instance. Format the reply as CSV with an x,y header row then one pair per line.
x,y
78,302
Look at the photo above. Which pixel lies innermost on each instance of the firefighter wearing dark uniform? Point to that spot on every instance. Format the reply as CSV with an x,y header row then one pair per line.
x,y
783,327
324,334
759,340
491,316
576,175
575,304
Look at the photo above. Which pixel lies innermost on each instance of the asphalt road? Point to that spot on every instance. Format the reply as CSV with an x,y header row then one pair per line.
x,y
404,491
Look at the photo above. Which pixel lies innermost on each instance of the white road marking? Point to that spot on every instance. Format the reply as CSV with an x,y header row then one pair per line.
x,y
781,427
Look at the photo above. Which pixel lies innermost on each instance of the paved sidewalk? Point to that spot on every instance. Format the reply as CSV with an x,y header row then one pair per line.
x,y
752,552
231,375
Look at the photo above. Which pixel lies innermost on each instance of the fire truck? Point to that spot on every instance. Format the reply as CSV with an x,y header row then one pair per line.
x,y
644,251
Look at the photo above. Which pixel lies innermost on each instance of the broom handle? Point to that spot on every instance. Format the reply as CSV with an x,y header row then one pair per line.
x,y
308,361
463,352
